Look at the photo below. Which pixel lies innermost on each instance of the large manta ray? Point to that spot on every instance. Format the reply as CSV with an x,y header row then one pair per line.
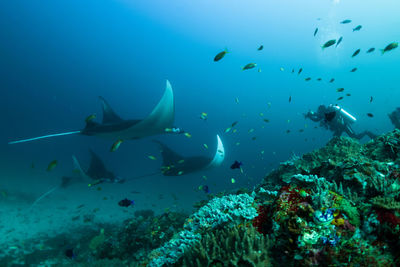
x,y
175,164
159,121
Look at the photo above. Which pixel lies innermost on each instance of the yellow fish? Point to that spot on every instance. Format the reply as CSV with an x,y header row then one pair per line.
x,y
152,157
188,135
233,180
181,161
90,117
228,129
52,165
203,116
205,146
234,131
282,69
116,145
180,172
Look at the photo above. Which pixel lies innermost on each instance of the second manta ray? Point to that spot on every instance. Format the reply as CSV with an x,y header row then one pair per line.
x,y
176,165
159,121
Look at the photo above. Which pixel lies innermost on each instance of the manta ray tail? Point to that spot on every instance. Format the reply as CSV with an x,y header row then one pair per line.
x,y
42,137
43,196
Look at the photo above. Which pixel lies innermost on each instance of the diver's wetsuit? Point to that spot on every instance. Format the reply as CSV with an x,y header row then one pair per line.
x,y
395,118
332,119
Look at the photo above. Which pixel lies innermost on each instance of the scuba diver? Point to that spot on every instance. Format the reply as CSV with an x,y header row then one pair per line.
x,y
395,118
337,120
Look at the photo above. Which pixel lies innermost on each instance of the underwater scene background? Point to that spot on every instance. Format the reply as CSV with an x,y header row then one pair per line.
x,y
58,57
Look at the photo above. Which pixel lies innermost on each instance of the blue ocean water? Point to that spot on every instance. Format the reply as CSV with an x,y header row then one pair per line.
x,y
57,57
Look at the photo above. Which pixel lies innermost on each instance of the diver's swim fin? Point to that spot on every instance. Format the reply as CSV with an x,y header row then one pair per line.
x,y
42,137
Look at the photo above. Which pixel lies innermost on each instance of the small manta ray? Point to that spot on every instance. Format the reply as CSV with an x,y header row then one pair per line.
x,y
159,121
176,165
96,172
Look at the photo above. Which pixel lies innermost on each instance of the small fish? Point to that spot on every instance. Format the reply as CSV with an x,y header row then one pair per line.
x,y
260,48
237,144
266,120
251,130
204,116
254,138
307,79
228,129
69,253
332,80
180,172
32,165
126,203
340,90
329,43
90,118
188,135
237,100
346,21
290,99
301,130
259,70
348,94
287,131
357,28
389,47
233,180
292,71
152,157
52,165
204,188
339,41
249,66
96,182
300,70
261,114
356,52
353,70
281,69
234,124
372,49
340,98
370,100
220,55
116,145
181,161
205,146
236,165
315,32
370,115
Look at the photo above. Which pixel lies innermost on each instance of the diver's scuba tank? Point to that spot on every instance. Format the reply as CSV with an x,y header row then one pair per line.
x,y
347,117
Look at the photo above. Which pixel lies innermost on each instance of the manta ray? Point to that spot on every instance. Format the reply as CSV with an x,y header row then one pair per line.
x,y
96,173
159,121
175,164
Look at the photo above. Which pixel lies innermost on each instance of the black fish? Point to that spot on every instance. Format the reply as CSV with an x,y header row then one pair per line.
x,y
332,80
126,202
356,52
346,21
292,70
290,99
260,48
389,47
370,115
372,49
319,79
329,116
329,43
220,55
353,70
339,41
70,253
300,70
307,79
315,32
236,165
357,28
370,100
